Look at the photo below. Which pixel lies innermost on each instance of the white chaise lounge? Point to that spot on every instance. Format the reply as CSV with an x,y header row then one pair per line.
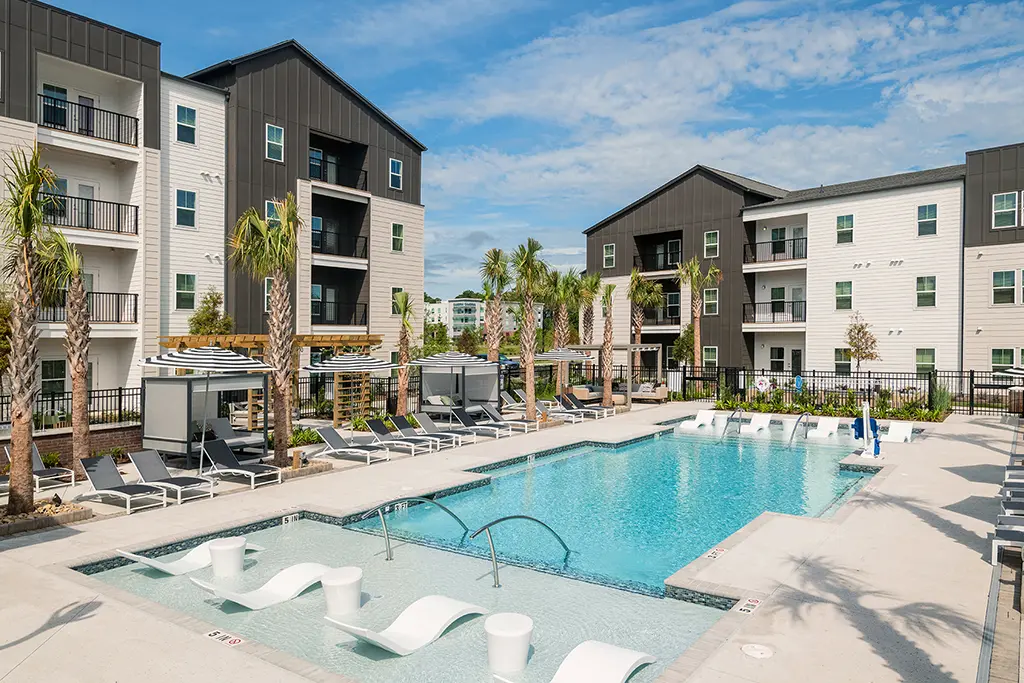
x,y
826,428
284,586
595,662
704,418
759,424
197,558
419,624
899,432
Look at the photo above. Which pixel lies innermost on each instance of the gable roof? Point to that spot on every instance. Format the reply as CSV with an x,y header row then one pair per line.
x,y
889,182
291,42
741,182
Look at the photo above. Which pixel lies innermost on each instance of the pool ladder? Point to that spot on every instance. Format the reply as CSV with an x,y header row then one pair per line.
x,y
486,528
807,425
729,419
379,510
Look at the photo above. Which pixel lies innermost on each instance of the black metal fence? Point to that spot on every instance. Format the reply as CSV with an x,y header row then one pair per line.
x,y
775,250
82,119
104,307
90,214
330,171
106,406
337,313
337,243
775,312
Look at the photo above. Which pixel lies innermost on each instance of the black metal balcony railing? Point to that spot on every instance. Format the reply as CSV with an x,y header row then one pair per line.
x,y
91,214
85,120
775,312
338,244
330,171
651,259
662,316
337,313
776,250
104,307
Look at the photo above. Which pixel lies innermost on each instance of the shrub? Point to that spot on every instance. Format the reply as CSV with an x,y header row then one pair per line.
x,y
119,454
301,436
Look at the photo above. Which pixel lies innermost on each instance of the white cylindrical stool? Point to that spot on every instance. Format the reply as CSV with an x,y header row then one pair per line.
x,y
226,556
343,590
508,641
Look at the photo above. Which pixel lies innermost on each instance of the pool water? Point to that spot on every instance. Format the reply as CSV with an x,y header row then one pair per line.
x,y
634,515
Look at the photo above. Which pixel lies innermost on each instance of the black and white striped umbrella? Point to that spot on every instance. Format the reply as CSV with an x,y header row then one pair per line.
x,y
1010,372
207,359
452,359
351,362
565,355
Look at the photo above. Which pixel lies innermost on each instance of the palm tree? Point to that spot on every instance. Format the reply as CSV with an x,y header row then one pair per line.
x,y
530,272
607,297
643,294
590,289
560,290
267,249
406,314
691,275
494,271
60,276
23,210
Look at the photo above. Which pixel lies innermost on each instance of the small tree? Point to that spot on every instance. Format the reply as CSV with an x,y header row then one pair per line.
x,y
209,318
468,341
682,347
435,339
861,340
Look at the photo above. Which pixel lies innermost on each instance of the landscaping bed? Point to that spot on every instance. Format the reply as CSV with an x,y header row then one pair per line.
x,y
310,468
44,516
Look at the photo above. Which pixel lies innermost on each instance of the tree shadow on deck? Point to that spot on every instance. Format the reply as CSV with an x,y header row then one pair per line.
x,y
72,612
926,514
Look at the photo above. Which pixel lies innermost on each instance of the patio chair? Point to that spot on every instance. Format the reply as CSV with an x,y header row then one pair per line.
x,y
759,424
428,425
385,436
224,463
597,662
283,586
336,444
522,397
1009,532
197,558
107,481
562,415
467,421
514,423
564,406
899,432
40,472
510,402
406,429
153,471
223,430
575,402
826,428
703,418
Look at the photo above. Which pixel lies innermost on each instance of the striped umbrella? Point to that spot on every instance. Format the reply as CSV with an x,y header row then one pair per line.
x,y
208,359
565,355
351,362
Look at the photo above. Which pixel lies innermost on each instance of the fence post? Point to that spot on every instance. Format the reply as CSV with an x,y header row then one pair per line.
x,y
931,390
721,378
970,394
682,383
120,404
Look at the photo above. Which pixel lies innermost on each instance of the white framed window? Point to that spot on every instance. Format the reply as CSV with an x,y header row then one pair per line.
x,y
844,229
1004,210
777,358
394,302
316,296
844,296
926,291
185,208
924,360
927,220
184,291
1002,359
316,230
675,251
672,308
270,213
1004,290
843,361
395,174
275,143
54,375
268,283
186,125
609,256
711,244
710,356
711,301
397,237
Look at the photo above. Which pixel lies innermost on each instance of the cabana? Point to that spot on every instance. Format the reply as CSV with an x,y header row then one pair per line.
x,y
473,379
630,349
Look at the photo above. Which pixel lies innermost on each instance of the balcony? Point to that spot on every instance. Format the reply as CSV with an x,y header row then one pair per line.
x,y
782,315
648,260
104,307
331,171
337,313
92,122
336,243
656,317
791,253
62,211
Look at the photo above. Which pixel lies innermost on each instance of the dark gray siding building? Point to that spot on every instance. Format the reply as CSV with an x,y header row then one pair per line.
x,y
993,173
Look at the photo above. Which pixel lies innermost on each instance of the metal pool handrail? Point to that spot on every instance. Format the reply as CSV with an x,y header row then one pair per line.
x,y
729,419
807,425
486,528
380,513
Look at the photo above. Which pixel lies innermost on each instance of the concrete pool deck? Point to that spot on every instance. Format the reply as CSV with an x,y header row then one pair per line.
x,y
891,588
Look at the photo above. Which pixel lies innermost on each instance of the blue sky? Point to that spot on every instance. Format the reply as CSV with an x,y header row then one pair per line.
x,y
544,116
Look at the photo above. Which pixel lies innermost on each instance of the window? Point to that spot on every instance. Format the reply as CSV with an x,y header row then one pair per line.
x,y
185,208
186,125
54,373
268,283
925,360
710,302
844,229
672,305
777,359
778,240
316,227
395,174
55,107
926,220
316,163
1004,210
710,356
778,295
394,302
844,296
1003,289
609,256
1002,359
842,358
275,142
270,213
315,297
926,291
675,251
184,291
397,237
711,244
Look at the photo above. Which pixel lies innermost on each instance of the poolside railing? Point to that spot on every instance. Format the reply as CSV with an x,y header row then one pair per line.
x,y
106,406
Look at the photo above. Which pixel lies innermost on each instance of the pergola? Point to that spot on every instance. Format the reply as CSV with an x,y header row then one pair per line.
x,y
350,390
630,349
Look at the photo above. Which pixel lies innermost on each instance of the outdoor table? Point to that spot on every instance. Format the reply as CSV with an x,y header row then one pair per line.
x,y
508,641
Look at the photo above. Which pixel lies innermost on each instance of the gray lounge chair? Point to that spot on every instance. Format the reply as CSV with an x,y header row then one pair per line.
x,y
383,435
223,430
510,402
224,463
522,397
567,407
440,440
153,471
107,481
562,414
41,472
428,425
575,402
514,423
1009,532
497,431
339,445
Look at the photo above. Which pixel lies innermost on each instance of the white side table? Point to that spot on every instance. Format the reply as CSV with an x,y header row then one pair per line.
x,y
508,641
343,590
226,556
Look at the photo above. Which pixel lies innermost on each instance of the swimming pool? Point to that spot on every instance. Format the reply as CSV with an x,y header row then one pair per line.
x,y
633,515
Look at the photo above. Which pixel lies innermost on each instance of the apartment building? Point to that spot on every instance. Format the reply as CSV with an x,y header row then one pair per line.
x,y
293,125
464,313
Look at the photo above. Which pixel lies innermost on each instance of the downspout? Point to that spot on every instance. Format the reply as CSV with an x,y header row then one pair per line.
x,y
963,230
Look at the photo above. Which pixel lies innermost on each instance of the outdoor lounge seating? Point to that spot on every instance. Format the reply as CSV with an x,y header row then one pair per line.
x,y
197,558
40,472
1009,532
223,430
153,471
384,436
606,411
759,424
107,481
558,408
497,431
283,586
703,418
428,425
510,402
419,624
336,444
515,423
563,415
826,428
406,429
224,463
899,432
522,397
597,662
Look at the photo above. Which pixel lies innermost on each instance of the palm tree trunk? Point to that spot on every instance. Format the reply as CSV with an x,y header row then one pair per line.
x,y
495,328
638,325
22,372
279,354
588,325
527,346
559,340
77,347
695,303
403,372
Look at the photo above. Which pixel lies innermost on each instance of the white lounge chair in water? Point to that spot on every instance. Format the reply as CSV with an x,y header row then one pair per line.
x,y
194,559
704,418
760,423
595,662
826,428
899,432
419,624
284,586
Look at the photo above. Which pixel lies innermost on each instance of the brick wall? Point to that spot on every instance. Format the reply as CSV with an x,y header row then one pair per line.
x,y
102,438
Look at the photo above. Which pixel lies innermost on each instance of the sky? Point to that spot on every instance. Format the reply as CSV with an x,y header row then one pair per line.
x,y
541,117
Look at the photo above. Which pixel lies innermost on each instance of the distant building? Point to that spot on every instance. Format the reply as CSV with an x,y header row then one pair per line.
x,y
461,314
